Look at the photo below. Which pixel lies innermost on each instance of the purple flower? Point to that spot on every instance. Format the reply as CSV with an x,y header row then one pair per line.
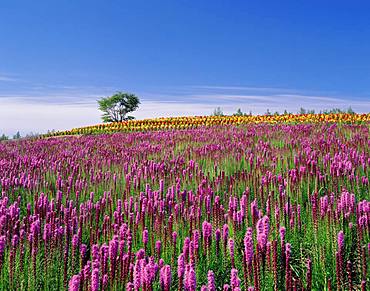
x,y
231,249
248,246
165,277
15,240
130,286
158,246
174,236
150,271
74,283
113,248
234,279
185,248
137,275
218,234
140,254
211,281
75,241
225,232
105,281
145,236
180,266
190,281
2,245
95,280
47,232
282,233
288,251
340,241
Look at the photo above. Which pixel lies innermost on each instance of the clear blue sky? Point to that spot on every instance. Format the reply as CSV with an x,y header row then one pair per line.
x,y
181,56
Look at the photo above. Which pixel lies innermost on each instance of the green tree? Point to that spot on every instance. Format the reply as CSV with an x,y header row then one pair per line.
x,y
115,108
218,112
17,135
239,112
350,110
4,137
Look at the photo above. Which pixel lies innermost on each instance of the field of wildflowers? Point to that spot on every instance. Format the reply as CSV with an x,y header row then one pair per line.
x,y
257,206
187,122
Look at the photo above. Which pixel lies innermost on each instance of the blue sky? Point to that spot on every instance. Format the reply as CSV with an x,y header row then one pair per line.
x,y
180,57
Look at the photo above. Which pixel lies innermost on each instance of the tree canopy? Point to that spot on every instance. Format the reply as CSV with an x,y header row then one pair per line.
x,y
115,108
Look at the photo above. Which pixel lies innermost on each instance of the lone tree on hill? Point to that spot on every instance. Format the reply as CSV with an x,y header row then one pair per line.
x,y
116,107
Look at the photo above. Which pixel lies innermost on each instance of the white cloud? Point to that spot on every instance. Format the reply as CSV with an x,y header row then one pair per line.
x,y
39,114
6,78
244,88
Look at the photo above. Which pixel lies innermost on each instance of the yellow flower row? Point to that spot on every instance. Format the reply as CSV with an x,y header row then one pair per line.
x,y
164,123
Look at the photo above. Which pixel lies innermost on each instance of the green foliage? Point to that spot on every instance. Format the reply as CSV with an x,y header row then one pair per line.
x,y
325,111
239,112
218,112
334,110
350,110
17,135
4,137
115,108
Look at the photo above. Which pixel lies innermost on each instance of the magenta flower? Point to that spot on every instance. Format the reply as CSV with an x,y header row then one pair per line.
x,y
158,246
165,277
340,241
95,280
248,246
145,236
180,266
225,232
211,281
130,286
137,275
74,283
190,281
231,249
282,232
234,279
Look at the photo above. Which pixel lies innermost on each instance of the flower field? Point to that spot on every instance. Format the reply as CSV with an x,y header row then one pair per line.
x,y
171,123
264,205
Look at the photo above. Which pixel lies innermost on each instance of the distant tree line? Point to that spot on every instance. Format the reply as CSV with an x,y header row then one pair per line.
x,y
28,135
218,112
5,137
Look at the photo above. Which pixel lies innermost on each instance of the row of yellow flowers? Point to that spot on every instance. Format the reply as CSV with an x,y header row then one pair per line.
x,y
164,123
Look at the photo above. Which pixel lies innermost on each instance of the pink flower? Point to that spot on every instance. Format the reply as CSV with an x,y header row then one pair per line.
x,y
211,281
190,281
74,283
340,241
165,277
248,246
145,236
234,279
95,280
158,246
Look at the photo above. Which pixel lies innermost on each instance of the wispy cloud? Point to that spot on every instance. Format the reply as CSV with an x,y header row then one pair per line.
x,y
69,107
245,88
7,78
